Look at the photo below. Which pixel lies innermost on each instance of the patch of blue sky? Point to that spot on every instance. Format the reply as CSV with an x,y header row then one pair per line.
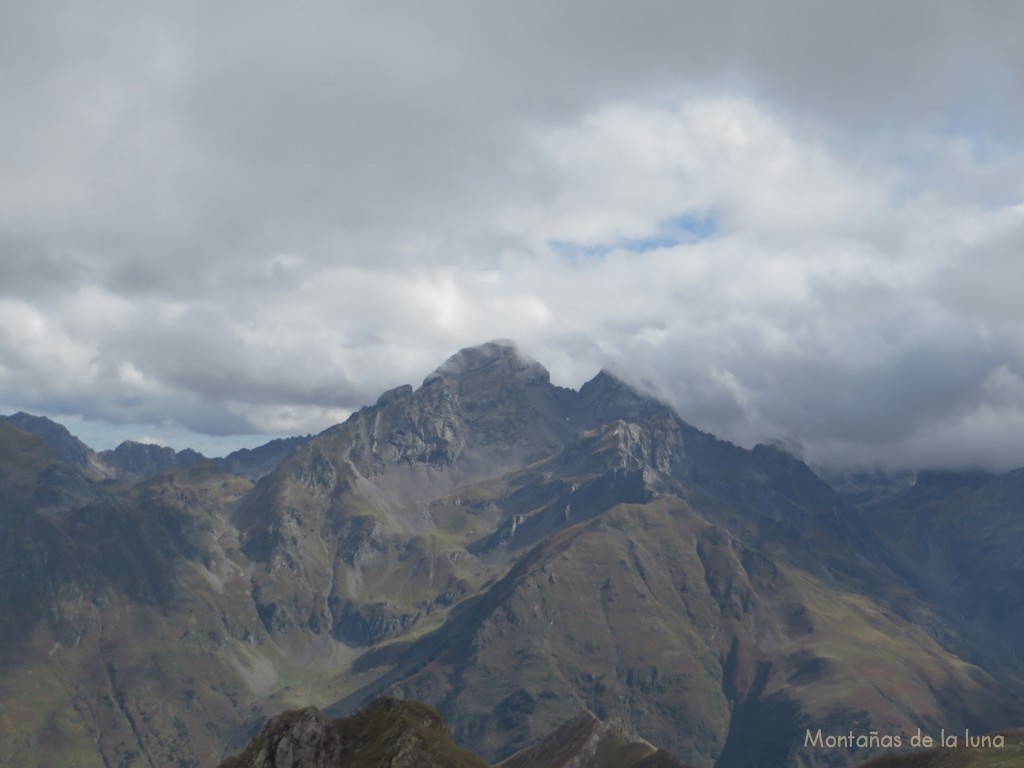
x,y
689,228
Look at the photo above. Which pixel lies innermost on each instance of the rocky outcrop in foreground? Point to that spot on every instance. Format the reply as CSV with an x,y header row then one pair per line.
x,y
391,733
388,733
395,733
586,742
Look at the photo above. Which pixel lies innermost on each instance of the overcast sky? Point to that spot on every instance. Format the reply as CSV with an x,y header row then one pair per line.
x,y
799,221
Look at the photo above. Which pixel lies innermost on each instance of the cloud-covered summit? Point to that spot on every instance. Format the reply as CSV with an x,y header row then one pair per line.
x,y
500,358
799,222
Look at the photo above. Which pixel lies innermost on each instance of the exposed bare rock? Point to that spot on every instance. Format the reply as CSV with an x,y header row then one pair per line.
x,y
388,733
586,742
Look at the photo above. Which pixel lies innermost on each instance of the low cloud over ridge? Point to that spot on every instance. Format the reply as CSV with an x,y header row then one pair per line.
x,y
803,225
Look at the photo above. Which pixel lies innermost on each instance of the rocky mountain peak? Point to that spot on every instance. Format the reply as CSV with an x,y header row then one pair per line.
x,y
135,461
499,359
68,447
490,398
608,397
302,737
388,733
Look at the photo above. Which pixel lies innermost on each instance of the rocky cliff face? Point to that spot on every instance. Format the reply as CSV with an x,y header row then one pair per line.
x,y
134,461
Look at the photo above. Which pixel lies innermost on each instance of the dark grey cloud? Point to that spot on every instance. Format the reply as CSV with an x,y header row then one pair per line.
x,y
233,218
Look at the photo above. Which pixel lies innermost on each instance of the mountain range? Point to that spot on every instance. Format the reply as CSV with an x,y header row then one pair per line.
x,y
134,461
512,553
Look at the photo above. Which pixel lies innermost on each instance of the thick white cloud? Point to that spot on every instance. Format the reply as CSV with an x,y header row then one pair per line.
x,y
801,221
